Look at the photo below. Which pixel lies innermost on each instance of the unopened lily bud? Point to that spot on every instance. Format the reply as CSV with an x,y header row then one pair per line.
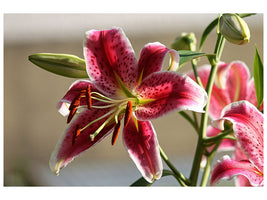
x,y
234,29
186,41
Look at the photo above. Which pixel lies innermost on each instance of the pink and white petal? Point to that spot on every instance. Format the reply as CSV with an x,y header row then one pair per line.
x,y
242,181
237,80
164,92
152,57
226,144
219,98
227,168
74,90
141,142
66,150
107,52
248,128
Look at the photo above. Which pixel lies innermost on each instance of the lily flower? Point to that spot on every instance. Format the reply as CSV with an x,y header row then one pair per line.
x,y
232,83
122,88
248,129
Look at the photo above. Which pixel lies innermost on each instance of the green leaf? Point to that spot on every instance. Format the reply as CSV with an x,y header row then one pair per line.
x,y
62,64
186,56
142,182
212,25
258,76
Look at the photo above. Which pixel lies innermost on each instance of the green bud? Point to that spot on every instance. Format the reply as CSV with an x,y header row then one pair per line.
x,y
186,41
62,64
234,29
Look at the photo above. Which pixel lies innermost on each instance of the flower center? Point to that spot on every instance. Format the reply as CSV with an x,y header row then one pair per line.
x,y
118,108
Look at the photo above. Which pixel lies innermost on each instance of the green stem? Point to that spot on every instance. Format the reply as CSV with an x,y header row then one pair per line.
x,y
204,118
190,120
207,168
179,176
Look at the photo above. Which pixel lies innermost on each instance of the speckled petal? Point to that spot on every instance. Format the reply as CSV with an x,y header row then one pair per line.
x,y
107,52
166,92
140,140
227,168
66,151
248,128
152,57
74,90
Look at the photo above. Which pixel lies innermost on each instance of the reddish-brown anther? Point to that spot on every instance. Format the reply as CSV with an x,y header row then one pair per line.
x,y
128,113
116,132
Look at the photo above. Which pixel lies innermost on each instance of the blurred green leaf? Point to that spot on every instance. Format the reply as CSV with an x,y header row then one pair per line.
x,y
258,76
62,64
142,182
186,56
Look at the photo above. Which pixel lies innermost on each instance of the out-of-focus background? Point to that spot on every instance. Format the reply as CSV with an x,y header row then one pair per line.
x,y
32,124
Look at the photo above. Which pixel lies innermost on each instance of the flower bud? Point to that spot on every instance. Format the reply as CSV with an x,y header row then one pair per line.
x,y
186,41
234,29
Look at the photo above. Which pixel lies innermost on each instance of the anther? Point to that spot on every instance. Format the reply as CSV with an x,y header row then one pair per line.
x,y
71,114
88,97
76,134
76,102
128,113
116,132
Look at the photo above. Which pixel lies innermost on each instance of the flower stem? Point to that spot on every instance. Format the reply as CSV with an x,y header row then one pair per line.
x,y
179,176
204,118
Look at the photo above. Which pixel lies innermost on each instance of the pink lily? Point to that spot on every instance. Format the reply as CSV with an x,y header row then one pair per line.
x,y
232,83
248,129
120,87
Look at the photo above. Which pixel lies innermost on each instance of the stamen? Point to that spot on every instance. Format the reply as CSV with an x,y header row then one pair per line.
x,y
92,136
116,132
75,102
128,113
76,134
71,114
88,97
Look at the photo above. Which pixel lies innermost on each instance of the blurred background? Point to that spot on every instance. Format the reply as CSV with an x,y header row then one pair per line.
x,y
32,124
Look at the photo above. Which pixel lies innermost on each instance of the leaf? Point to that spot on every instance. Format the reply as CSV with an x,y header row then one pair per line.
x,y
258,76
61,64
142,182
186,56
212,25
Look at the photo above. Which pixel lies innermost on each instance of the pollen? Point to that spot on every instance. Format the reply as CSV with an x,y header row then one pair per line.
x,y
88,97
116,132
76,134
128,113
71,114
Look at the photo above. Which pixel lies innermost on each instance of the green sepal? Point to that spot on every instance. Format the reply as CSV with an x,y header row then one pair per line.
x,y
258,77
61,64
186,56
142,182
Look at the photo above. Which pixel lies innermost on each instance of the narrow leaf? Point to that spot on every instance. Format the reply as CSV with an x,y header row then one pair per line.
x,y
186,56
62,64
258,76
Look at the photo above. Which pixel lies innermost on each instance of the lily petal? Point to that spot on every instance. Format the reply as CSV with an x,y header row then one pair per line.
x,y
66,150
106,53
74,90
152,57
231,84
140,140
168,91
248,128
227,168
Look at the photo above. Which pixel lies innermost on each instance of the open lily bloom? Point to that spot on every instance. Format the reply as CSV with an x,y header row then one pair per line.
x,y
120,88
248,129
232,83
